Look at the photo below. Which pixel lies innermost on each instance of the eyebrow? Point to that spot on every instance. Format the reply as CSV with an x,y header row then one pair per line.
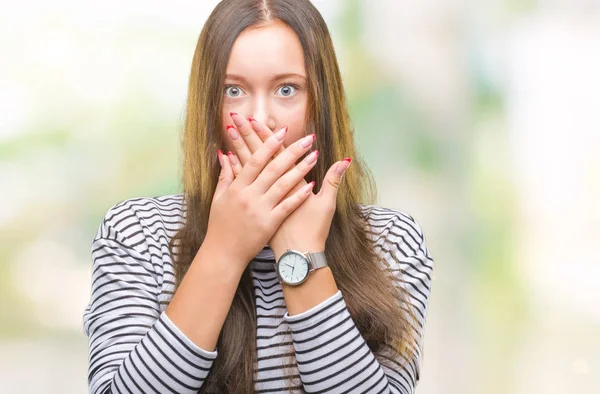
x,y
277,77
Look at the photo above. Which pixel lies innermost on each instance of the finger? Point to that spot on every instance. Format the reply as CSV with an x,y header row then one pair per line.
x,y
253,141
261,129
333,178
286,183
235,163
254,166
225,175
289,205
263,132
239,144
280,165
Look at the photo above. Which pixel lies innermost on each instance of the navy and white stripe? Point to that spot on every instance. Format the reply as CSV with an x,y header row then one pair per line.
x,y
135,348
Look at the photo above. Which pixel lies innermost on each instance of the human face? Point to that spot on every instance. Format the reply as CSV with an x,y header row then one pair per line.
x,y
266,80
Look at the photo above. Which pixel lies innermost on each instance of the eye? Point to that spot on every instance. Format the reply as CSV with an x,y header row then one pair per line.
x,y
233,91
287,90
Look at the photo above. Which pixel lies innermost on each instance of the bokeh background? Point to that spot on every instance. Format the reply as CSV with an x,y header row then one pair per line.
x,y
479,118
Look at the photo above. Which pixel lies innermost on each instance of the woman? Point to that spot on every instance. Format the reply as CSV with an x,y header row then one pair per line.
x,y
250,280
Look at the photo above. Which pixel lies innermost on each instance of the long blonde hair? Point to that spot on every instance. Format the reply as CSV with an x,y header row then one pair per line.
x,y
377,306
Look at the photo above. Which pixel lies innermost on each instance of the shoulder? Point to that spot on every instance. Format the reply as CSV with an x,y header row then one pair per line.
x,y
134,221
394,226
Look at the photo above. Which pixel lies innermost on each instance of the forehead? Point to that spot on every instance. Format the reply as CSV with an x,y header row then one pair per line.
x,y
262,51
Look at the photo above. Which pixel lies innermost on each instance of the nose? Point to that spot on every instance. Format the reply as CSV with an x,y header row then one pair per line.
x,y
262,114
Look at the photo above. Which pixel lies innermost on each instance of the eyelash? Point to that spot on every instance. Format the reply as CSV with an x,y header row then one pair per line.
x,y
295,86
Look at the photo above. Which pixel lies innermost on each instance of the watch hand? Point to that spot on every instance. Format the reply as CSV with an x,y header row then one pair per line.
x,y
290,265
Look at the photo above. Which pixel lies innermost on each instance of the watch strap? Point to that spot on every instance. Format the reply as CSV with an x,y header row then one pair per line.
x,y
317,260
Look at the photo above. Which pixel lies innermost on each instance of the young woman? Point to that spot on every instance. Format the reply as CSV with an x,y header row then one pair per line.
x,y
273,271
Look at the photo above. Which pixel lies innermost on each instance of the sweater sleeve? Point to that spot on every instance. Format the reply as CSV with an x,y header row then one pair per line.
x,y
133,346
331,354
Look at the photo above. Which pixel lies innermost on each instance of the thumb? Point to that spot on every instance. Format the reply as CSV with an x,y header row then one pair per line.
x,y
225,175
333,178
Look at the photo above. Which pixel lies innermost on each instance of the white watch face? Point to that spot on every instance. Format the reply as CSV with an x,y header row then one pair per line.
x,y
293,268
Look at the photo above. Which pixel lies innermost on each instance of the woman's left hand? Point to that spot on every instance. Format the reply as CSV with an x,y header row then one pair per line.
x,y
307,228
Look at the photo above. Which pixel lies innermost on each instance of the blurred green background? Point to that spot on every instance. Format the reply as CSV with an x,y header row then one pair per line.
x,y
481,119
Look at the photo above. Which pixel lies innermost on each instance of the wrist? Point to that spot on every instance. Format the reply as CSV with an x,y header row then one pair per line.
x,y
220,261
300,248
319,286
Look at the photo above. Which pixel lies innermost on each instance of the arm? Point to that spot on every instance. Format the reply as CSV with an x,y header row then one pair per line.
x,y
133,347
217,281
331,354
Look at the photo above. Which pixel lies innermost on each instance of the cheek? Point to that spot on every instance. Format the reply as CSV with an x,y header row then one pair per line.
x,y
226,120
296,128
293,134
239,106
227,144
225,116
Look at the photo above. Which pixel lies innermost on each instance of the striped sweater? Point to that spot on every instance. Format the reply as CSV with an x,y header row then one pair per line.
x,y
135,348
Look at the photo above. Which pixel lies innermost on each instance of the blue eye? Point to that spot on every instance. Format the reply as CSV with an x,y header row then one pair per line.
x,y
233,91
287,90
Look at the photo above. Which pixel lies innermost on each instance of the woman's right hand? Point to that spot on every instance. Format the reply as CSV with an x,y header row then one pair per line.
x,y
248,208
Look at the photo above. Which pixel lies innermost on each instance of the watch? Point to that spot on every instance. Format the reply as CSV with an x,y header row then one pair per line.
x,y
293,267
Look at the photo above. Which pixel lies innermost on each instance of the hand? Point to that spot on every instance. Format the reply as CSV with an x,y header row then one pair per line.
x,y
307,228
248,207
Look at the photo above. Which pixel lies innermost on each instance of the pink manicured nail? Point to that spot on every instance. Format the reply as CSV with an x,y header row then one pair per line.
x,y
233,133
308,187
232,158
220,156
237,119
281,134
343,166
312,157
307,141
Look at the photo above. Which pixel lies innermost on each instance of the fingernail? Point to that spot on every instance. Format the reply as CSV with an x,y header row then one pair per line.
x,y
250,119
233,133
312,157
307,141
220,156
343,166
308,187
232,158
237,119
281,133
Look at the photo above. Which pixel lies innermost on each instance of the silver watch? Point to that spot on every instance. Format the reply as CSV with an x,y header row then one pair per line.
x,y
293,267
